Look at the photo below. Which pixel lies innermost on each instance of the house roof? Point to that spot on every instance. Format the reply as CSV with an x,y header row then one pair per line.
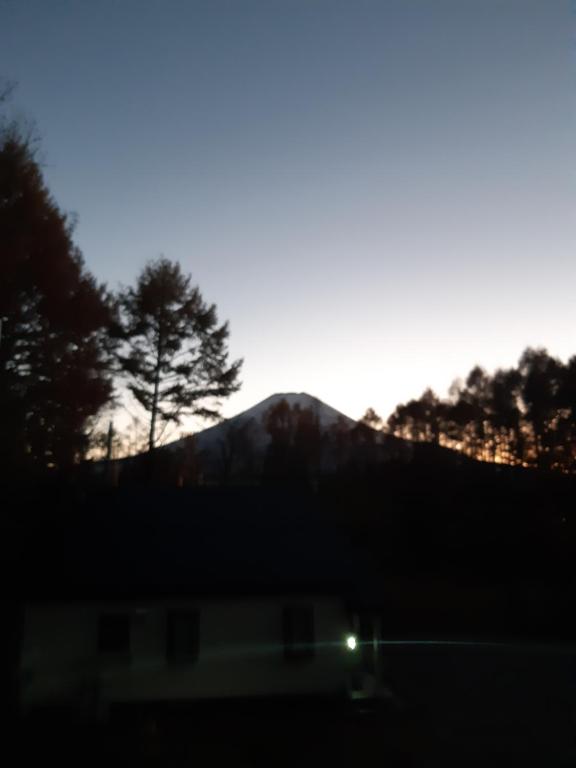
x,y
199,541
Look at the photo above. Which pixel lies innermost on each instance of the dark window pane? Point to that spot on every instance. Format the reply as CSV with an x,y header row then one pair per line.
x,y
114,633
299,631
182,636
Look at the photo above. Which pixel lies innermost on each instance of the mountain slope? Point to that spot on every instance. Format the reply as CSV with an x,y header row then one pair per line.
x,y
253,420
327,416
238,449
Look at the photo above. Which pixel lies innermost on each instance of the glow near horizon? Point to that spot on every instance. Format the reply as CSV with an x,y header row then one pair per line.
x,y
377,195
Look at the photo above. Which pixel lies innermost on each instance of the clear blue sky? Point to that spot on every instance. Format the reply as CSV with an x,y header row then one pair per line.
x,y
377,195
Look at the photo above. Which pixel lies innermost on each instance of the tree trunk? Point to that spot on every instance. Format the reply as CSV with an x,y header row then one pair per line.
x,y
155,397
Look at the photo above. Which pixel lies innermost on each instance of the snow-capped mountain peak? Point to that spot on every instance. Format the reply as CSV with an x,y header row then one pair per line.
x,y
327,416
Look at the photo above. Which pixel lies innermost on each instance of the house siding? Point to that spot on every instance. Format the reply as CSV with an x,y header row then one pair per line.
x,y
241,652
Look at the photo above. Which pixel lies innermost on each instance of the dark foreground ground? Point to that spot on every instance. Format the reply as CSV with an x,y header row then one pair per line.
x,y
457,704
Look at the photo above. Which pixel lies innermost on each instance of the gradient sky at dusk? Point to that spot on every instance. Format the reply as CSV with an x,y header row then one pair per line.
x,y
376,194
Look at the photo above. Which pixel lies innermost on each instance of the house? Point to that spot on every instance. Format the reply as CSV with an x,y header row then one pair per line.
x,y
194,596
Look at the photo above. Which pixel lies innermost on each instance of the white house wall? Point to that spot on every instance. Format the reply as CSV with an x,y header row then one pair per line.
x,y
241,653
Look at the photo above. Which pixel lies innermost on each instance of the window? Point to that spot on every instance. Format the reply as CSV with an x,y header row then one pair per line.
x,y
298,621
114,634
182,636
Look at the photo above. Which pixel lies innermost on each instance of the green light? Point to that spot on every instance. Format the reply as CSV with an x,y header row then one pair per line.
x,y
351,643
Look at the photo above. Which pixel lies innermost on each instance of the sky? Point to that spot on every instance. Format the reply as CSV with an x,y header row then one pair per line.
x,y
376,195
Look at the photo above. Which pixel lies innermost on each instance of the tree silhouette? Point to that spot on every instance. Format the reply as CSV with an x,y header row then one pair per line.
x,y
541,382
524,415
372,419
175,356
417,419
295,449
55,354
237,455
506,416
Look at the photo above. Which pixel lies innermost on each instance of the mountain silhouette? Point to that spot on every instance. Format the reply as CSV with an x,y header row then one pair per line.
x,y
252,420
242,448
